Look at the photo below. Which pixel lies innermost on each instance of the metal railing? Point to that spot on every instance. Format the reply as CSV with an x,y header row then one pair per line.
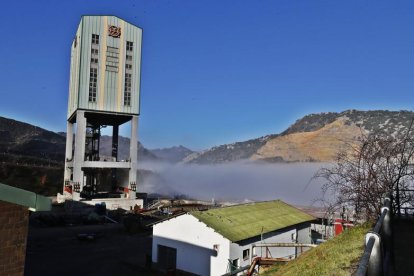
x,y
377,258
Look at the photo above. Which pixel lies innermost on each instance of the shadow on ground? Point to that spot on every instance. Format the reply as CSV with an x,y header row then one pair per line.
x,y
60,251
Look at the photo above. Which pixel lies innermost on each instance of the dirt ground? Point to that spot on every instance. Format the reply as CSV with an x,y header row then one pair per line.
x,y
59,251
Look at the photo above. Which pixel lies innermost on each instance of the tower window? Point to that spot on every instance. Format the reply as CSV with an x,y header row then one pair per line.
x,y
93,80
129,46
127,91
95,39
112,59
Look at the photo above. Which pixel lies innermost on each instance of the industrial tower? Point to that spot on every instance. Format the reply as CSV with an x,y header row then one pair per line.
x,y
104,91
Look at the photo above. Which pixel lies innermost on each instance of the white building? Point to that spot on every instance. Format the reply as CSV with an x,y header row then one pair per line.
x,y
216,241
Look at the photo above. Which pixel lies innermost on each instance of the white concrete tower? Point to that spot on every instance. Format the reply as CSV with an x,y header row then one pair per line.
x,y
104,90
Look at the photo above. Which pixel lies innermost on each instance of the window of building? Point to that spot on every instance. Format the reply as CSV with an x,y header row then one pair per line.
x,y
246,254
93,80
111,68
128,57
129,46
128,66
127,90
95,39
110,49
94,60
112,59
94,51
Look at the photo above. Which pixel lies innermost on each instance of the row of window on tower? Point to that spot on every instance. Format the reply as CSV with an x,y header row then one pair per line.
x,y
128,72
112,65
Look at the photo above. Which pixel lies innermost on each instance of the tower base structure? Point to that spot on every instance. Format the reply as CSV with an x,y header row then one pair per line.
x,y
91,177
110,203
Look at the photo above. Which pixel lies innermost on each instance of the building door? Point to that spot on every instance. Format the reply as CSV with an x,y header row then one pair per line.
x,y
235,264
167,258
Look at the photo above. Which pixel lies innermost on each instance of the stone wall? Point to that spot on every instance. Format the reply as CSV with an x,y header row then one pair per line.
x,y
13,236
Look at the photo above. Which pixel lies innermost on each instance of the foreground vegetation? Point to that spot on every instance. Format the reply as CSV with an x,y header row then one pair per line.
x,y
339,256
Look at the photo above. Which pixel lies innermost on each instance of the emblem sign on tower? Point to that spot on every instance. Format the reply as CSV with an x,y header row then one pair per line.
x,y
114,31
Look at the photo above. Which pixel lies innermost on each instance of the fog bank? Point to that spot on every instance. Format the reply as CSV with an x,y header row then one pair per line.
x,y
236,181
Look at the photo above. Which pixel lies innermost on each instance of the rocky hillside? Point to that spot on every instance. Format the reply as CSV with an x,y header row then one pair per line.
x,y
315,137
24,139
229,152
173,154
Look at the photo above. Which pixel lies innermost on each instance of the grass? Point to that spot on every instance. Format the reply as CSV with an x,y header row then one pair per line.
x,y
339,256
243,221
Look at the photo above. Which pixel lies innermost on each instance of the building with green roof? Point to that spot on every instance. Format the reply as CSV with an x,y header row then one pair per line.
x,y
213,242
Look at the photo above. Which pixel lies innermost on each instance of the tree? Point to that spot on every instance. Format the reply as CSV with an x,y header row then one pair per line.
x,y
367,170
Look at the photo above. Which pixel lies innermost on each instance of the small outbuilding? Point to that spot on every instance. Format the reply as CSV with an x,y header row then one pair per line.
x,y
217,241
15,205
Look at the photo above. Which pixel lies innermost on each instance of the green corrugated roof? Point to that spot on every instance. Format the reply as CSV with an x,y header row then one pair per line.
x,y
22,197
244,221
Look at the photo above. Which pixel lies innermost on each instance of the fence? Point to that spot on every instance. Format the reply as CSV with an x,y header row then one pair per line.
x,y
377,258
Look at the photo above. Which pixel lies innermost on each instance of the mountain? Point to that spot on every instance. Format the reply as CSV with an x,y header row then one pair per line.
x,y
24,139
315,137
105,149
31,157
173,154
228,152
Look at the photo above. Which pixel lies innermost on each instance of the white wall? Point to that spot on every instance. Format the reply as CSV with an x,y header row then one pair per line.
x,y
326,230
194,242
304,233
304,236
285,236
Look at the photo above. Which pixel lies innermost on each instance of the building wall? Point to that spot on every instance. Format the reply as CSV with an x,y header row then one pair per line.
x,y
13,235
285,236
194,242
304,233
110,85
304,236
299,233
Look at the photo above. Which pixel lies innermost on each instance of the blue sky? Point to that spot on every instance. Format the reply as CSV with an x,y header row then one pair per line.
x,y
216,72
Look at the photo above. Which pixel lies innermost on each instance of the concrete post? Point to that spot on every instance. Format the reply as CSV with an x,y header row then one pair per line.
x,y
79,156
387,237
375,261
69,148
133,154
115,134
115,131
